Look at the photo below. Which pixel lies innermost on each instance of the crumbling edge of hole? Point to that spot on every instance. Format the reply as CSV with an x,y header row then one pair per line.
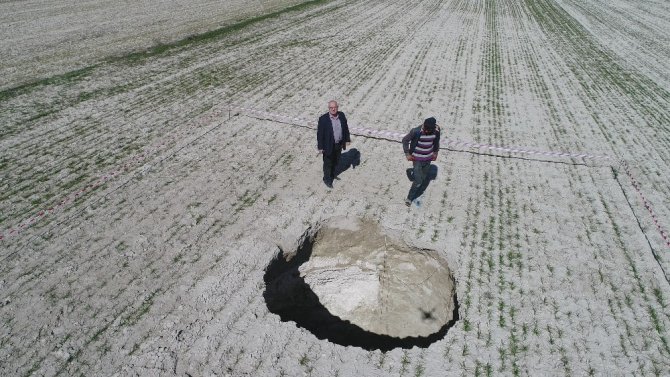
x,y
286,260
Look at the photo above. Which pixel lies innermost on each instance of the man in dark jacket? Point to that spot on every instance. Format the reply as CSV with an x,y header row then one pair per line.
x,y
332,137
421,146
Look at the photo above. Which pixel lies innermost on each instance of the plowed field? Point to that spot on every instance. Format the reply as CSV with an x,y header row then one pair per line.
x,y
149,174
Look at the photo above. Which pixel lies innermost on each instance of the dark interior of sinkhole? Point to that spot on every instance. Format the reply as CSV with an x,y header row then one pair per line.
x,y
291,298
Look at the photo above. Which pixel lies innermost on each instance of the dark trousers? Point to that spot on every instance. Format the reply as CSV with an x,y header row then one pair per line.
x,y
420,172
330,162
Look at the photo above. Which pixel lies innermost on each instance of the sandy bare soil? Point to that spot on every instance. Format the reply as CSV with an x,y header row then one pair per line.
x,y
140,205
42,38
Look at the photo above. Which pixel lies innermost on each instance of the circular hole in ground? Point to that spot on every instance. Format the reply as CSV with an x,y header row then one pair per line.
x,y
352,284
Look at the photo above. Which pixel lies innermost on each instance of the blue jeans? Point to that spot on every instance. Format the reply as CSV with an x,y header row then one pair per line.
x,y
420,173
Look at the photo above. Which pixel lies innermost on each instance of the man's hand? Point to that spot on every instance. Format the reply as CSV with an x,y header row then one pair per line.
x,y
409,157
434,157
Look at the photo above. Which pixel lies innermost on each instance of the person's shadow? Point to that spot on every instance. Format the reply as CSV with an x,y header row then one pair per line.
x,y
348,159
432,175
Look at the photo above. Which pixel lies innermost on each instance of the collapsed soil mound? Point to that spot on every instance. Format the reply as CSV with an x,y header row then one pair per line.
x,y
353,284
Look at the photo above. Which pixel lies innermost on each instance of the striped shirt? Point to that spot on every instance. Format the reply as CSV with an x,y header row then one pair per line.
x,y
424,148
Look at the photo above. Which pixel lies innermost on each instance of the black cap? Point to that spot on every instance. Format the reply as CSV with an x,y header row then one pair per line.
x,y
430,124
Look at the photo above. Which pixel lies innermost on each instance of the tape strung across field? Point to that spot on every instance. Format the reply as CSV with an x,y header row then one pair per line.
x,y
133,162
635,184
365,132
397,136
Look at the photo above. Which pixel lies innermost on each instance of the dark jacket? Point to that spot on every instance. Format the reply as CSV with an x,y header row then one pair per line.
x,y
410,140
324,134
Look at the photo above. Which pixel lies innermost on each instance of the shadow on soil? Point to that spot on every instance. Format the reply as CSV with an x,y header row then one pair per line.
x,y
348,159
287,295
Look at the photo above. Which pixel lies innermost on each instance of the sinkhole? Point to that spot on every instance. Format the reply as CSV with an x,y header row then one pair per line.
x,y
352,284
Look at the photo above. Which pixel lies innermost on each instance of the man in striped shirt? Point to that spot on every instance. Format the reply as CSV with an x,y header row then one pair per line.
x,y
421,145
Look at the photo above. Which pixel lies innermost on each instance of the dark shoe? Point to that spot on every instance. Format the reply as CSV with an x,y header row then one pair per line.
x,y
328,182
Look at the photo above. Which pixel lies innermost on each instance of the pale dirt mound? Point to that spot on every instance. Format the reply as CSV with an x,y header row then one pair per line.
x,y
382,286
353,285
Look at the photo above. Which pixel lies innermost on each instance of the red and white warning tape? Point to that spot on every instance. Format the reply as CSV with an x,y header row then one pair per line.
x,y
381,134
636,184
397,136
104,178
